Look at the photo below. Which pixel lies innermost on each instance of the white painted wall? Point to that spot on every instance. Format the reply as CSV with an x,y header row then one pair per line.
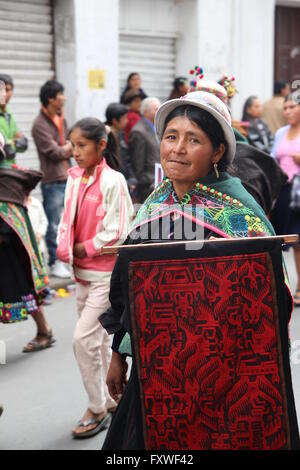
x,y
87,39
187,32
65,53
237,37
234,36
149,16
97,33
253,29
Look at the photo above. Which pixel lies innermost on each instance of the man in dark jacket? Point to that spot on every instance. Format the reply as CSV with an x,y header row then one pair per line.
x,y
49,132
144,149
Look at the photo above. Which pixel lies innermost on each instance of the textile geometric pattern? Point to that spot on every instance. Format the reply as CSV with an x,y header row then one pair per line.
x,y
19,311
204,203
208,352
14,217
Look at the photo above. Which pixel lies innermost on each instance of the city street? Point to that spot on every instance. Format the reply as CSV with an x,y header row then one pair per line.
x,y
42,393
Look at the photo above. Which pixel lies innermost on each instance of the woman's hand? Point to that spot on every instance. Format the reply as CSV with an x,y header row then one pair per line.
x,y
79,250
296,157
116,377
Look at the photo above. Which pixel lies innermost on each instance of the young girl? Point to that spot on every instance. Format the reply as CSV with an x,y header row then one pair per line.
x,y
97,213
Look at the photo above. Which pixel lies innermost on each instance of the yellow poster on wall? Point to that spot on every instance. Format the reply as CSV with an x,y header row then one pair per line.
x,y
96,79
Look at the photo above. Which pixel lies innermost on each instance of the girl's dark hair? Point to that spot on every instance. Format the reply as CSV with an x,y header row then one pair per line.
x,y
207,124
49,90
94,129
178,82
115,111
248,103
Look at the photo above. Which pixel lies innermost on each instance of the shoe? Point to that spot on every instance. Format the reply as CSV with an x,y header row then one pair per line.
x,y
58,269
1,409
100,425
34,345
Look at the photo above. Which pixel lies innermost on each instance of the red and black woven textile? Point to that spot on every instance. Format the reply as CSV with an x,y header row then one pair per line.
x,y
210,347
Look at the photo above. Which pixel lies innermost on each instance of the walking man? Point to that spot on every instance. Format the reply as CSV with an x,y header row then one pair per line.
x,y
49,132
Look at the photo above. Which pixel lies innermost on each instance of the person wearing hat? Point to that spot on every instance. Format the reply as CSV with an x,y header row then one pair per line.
x,y
24,280
197,146
132,99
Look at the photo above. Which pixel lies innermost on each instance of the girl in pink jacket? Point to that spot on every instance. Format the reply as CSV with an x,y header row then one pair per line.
x,y
97,213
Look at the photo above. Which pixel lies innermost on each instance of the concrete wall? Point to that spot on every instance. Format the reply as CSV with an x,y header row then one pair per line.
x,y
253,28
87,39
187,32
233,36
65,53
237,37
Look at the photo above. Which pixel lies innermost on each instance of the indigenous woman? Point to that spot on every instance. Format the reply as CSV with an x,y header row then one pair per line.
x,y
23,277
197,147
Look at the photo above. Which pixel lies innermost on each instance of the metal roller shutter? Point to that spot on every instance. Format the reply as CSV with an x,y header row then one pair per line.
x,y
153,57
26,53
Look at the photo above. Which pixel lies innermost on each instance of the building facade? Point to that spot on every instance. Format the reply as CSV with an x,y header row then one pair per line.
x,y
91,46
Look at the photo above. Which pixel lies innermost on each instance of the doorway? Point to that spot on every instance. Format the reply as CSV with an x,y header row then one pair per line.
x,y
287,44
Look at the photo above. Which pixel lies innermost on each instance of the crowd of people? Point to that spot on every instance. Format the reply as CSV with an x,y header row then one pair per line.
x,y
93,173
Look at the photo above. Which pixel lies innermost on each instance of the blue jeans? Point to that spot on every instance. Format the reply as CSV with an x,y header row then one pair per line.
x,y
53,201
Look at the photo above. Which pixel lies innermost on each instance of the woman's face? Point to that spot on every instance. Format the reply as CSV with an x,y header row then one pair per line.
x,y
135,82
135,104
121,123
291,111
255,110
86,152
186,151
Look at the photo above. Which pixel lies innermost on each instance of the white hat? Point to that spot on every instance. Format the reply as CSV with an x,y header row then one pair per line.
x,y
203,100
212,87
